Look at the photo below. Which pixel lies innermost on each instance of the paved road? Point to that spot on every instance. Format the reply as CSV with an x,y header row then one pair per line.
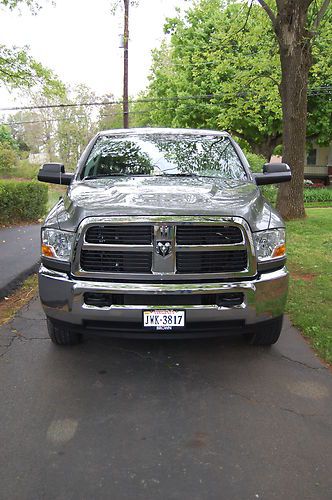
x,y
116,419
19,254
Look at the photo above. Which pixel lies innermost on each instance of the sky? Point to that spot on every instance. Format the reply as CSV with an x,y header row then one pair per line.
x,y
79,40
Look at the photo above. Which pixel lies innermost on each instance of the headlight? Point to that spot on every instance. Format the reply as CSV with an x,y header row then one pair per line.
x,y
57,244
270,244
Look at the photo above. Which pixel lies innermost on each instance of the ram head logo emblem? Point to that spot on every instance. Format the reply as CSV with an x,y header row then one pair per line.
x,y
163,248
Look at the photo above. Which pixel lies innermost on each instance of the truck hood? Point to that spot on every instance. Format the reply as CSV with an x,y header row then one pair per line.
x,y
161,195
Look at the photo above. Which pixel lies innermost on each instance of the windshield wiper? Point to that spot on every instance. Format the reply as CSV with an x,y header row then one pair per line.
x,y
193,174
183,174
103,176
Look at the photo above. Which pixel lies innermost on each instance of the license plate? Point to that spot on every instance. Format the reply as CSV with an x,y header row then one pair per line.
x,y
163,319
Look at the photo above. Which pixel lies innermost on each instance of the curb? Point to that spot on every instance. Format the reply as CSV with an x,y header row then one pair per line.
x,y
18,280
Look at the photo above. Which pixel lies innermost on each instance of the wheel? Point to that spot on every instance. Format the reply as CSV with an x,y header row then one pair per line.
x,y
268,333
62,335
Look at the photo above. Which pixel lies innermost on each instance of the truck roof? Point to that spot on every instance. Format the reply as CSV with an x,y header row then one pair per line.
x,y
166,131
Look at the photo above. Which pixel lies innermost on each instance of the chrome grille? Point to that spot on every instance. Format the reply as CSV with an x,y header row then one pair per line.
x,y
127,235
211,262
208,235
164,248
116,262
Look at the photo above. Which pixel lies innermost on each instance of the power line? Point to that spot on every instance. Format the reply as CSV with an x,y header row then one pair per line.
x,y
52,120
107,103
324,89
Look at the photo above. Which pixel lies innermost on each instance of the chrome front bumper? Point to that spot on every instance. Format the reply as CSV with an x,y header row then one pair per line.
x,y
63,299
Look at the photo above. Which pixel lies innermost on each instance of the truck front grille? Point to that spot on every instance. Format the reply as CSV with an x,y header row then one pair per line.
x,y
208,235
126,235
116,262
159,248
211,262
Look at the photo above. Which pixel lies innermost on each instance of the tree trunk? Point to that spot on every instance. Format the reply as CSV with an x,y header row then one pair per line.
x,y
295,57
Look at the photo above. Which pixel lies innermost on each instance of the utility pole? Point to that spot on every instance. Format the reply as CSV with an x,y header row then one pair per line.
x,y
125,64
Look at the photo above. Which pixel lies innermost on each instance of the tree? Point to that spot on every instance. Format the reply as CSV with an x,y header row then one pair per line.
x,y
34,5
18,69
228,53
8,150
109,115
295,31
59,127
74,125
230,62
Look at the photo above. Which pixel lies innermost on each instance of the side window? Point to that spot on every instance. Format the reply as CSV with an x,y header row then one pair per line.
x,y
312,157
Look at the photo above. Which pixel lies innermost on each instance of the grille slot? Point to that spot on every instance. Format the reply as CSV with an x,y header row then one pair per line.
x,y
211,262
208,235
121,235
108,299
116,262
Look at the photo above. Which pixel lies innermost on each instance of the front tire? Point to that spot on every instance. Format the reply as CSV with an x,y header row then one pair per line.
x,y
268,333
62,335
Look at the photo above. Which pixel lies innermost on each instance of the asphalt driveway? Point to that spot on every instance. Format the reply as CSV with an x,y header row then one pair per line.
x,y
19,253
116,419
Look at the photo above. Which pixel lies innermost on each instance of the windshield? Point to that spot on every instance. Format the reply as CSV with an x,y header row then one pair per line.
x,y
162,154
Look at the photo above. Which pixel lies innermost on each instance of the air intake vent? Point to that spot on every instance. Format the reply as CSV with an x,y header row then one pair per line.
x,y
208,235
121,235
211,262
116,262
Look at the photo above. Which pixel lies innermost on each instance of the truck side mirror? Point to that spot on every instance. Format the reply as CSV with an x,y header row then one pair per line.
x,y
273,173
55,174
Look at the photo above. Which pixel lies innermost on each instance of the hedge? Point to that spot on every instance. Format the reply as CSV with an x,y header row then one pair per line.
x,y
22,201
317,194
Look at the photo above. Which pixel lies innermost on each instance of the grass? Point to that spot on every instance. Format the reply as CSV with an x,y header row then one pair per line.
x,y
10,305
309,249
318,204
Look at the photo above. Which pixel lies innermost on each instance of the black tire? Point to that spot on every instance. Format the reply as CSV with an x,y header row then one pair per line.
x,y
268,333
62,335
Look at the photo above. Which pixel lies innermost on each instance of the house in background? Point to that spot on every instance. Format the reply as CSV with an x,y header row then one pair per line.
x,y
318,167
318,164
39,158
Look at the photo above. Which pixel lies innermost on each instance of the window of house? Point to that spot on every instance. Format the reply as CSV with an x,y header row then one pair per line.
x,y
312,157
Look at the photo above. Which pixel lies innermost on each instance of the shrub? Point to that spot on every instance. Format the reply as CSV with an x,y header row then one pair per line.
x,y
22,200
270,192
256,162
25,170
8,159
317,194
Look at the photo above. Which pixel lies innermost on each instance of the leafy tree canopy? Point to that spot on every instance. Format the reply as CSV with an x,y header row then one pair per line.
x,y
6,138
18,69
34,5
227,52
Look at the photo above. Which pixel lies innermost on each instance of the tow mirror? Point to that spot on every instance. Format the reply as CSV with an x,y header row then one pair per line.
x,y
273,173
55,174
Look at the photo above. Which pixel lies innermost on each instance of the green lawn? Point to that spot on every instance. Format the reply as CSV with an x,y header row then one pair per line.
x,y
309,248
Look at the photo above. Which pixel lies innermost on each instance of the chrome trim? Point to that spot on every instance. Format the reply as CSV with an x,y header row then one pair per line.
x,y
115,247
162,288
210,248
63,297
152,308
165,230
162,265
51,272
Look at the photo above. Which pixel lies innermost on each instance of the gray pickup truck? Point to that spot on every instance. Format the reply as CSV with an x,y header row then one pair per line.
x,y
163,233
